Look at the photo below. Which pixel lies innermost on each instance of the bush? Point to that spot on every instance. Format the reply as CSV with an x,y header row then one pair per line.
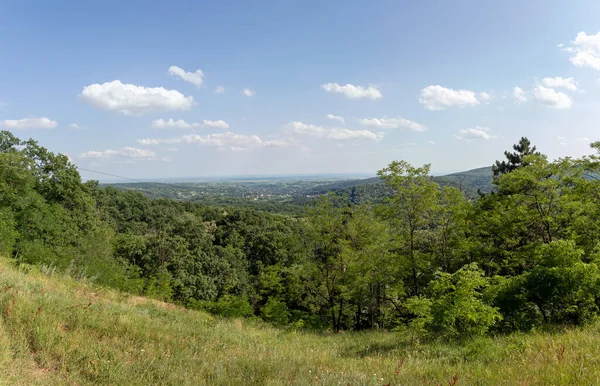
x,y
275,311
562,286
457,308
229,305
420,307
8,234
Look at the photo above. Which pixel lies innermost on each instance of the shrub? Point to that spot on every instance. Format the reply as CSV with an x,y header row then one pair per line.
x,y
275,311
457,308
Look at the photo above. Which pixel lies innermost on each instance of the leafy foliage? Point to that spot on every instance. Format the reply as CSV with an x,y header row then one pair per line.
x,y
424,257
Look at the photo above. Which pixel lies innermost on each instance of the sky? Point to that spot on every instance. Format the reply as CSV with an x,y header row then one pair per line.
x,y
176,89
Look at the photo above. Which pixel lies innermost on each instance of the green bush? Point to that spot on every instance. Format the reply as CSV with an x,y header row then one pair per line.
x,y
228,305
457,308
275,311
8,234
562,286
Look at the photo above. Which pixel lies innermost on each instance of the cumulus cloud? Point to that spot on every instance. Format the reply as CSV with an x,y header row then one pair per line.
x,y
74,126
130,99
353,92
126,152
219,140
28,123
585,50
220,89
568,83
196,77
181,124
249,93
474,134
520,95
551,98
331,133
392,123
439,98
335,118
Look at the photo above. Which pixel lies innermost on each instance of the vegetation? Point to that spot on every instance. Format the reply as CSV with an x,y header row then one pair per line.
x,y
55,330
427,262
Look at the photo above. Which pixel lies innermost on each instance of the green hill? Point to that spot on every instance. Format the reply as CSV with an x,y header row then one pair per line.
x,y
373,189
55,330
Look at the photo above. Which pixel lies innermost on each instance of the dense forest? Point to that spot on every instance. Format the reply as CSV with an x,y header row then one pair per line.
x,y
428,260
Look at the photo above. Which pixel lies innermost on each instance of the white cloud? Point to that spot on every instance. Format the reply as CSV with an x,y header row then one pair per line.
x,y
331,133
335,118
249,93
474,134
551,98
74,126
220,124
196,77
568,83
28,123
585,50
353,92
520,95
130,99
484,97
181,124
392,123
220,89
126,152
171,124
220,140
583,139
166,159
431,142
438,97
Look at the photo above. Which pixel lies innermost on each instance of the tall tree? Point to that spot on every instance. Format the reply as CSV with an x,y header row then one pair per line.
x,y
410,211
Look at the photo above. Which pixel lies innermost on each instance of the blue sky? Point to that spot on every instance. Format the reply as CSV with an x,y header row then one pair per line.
x,y
428,82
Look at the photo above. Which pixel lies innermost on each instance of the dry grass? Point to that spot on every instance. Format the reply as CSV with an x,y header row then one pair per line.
x,y
57,331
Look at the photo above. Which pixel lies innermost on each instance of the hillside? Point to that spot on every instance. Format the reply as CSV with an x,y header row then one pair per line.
x,y
373,189
55,330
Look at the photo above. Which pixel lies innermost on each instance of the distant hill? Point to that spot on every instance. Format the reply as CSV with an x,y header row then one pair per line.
x,y
469,181
373,190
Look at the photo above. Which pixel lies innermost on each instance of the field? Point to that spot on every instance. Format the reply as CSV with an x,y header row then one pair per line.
x,y
55,330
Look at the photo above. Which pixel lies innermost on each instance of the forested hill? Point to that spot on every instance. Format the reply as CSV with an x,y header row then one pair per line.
x,y
373,189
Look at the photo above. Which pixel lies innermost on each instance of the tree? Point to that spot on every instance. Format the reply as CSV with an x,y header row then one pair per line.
x,y
410,212
515,159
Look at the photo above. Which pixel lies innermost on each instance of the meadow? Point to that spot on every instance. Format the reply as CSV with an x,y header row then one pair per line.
x,y
56,330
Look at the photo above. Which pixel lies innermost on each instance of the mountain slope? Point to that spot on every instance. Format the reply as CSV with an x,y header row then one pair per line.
x,y
54,330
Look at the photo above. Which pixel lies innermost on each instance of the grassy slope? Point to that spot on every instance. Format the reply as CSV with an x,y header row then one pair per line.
x,y
57,331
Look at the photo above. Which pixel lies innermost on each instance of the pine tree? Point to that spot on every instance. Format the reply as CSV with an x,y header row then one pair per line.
x,y
515,159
